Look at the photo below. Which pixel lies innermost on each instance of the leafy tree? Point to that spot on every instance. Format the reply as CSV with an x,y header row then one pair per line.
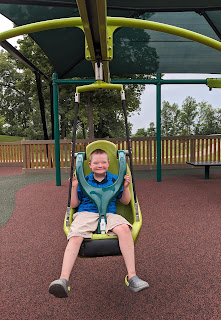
x,y
141,133
151,131
2,122
15,103
208,119
170,119
188,115
218,115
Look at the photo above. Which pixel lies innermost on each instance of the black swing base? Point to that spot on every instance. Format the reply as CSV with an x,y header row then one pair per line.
x,y
99,248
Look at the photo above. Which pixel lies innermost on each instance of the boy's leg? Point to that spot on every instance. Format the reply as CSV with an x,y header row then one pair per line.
x,y
78,231
127,247
59,288
70,255
132,281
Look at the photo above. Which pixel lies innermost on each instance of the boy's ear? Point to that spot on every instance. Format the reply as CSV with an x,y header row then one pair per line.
x,y
89,163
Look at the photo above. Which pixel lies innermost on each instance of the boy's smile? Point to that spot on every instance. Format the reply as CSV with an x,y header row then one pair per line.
x,y
99,165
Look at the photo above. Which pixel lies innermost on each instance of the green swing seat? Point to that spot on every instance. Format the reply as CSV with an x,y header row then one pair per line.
x,y
102,244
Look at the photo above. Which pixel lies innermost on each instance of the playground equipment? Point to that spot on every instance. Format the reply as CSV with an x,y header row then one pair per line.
x,y
125,45
101,244
146,56
103,196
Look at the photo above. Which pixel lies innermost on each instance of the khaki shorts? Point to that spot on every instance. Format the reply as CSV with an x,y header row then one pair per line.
x,y
85,223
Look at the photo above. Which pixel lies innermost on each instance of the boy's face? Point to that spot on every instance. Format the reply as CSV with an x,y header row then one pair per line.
x,y
99,163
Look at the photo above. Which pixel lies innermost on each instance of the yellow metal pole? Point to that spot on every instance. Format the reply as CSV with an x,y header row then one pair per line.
x,y
112,22
151,25
99,85
87,29
41,26
213,83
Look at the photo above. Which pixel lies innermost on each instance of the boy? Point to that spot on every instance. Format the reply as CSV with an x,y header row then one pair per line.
x,y
85,222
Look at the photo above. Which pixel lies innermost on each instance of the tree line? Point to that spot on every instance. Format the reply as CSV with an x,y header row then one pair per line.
x,y
191,118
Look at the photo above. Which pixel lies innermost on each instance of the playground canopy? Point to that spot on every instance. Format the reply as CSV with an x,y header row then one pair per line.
x,y
134,50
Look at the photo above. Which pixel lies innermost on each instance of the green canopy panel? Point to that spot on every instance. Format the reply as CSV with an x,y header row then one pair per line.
x,y
136,51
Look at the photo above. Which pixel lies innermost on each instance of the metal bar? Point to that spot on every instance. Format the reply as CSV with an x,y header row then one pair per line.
x,y
129,148
207,172
42,105
73,150
93,14
16,54
151,25
41,26
99,85
68,4
52,111
116,22
205,15
159,128
102,27
56,131
82,7
47,3
134,81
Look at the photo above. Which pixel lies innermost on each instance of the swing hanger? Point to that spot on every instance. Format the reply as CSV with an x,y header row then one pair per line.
x,y
99,84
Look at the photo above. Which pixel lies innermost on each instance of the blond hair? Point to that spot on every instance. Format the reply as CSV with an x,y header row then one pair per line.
x,y
98,151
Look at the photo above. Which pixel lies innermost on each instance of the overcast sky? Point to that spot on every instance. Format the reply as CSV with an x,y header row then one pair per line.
x,y
171,93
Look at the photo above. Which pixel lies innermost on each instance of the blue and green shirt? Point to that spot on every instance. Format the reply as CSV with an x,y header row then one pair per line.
x,y
86,204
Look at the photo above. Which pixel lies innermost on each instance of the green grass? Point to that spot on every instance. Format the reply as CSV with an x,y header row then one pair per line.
x,y
4,138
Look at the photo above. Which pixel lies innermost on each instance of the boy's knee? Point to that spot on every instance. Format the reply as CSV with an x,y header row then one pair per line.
x,y
122,229
75,240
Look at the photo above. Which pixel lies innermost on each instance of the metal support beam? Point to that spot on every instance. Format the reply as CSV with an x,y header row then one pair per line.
x,y
16,54
52,112
205,15
82,7
42,105
57,133
158,128
134,81
93,14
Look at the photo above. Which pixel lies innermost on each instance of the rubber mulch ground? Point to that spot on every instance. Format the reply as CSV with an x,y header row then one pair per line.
x,y
178,253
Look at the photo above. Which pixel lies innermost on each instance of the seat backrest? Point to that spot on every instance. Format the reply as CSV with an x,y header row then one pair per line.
x,y
108,147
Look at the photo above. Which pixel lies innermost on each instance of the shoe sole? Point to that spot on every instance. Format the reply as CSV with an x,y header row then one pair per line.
x,y
136,289
58,291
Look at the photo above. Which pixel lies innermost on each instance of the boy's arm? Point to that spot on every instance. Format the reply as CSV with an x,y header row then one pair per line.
x,y
74,194
125,199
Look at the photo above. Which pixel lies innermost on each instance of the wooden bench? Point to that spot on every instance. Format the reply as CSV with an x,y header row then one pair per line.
x,y
206,164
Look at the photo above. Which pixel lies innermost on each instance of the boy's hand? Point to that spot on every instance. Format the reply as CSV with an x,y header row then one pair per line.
x,y
74,181
127,180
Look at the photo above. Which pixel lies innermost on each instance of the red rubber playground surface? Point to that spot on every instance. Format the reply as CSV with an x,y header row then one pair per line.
x,y
178,253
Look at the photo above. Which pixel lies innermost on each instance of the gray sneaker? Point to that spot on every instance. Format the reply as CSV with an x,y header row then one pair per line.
x,y
59,288
135,284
